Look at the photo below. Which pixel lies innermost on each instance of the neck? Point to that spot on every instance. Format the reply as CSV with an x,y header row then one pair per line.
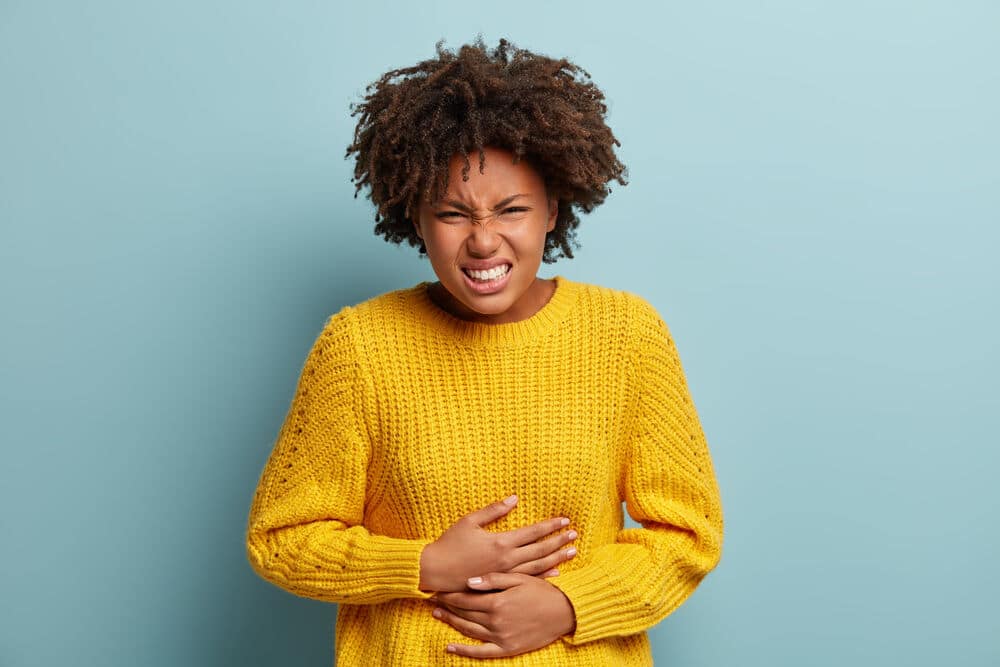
x,y
533,300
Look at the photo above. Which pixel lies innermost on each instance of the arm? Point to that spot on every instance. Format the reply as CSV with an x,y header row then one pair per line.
x,y
306,534
669,487
305,531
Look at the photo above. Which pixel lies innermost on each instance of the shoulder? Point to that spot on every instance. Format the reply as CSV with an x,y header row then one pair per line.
x,y
619,307
377,310
349,334
635,324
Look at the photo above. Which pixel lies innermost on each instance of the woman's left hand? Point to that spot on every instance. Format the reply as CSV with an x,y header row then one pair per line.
x,y
514,614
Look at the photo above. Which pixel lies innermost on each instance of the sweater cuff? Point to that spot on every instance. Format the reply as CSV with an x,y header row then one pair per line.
x,y
397,566
597,611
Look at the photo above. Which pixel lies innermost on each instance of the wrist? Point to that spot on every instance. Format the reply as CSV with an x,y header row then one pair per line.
x,y
570,626
429,580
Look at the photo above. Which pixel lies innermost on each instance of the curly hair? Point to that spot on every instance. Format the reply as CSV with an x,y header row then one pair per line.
x,y
545,110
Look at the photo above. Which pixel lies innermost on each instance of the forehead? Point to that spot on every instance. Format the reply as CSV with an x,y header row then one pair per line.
x,y
500,178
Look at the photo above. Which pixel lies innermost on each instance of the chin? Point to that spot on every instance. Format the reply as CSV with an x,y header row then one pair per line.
x,y
499,309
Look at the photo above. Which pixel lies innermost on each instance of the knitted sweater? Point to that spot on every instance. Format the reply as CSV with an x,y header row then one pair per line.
x,y
406,418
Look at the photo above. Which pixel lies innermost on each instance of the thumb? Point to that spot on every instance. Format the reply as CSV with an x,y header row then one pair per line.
x,y
497,581
493,511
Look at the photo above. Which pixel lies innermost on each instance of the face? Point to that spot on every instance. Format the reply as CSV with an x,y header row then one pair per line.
x,y
485,239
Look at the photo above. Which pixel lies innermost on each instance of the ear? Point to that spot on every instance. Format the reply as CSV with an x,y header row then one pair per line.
x,y
416,226
553,214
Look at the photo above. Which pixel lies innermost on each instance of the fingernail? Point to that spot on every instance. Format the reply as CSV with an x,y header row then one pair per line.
x,y
571,552
564,521
475,581
552,573
571,535
437,613
451,649
512,500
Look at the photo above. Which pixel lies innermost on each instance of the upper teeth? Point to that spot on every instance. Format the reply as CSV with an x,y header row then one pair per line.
x,y
489,274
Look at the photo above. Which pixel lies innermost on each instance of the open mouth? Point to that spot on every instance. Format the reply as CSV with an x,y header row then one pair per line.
x,y
489,281
489,275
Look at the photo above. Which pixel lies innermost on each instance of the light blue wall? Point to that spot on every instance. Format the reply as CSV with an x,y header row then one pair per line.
x,y
814,208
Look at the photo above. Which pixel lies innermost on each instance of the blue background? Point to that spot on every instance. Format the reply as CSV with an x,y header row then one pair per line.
x,y
813,208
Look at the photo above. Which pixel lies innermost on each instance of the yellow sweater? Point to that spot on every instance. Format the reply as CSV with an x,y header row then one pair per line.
x,y
406,418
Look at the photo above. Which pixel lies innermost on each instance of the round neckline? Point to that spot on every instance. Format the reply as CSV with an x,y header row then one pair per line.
x,y
506,334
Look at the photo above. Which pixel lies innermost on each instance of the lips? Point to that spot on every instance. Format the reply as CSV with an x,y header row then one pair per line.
x,y
486,264
486,275
488,281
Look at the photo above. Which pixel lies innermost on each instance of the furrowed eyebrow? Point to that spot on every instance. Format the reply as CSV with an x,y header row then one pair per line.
x,y
462,207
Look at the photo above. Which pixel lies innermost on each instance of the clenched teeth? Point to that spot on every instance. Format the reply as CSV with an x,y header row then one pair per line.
x,y
491,274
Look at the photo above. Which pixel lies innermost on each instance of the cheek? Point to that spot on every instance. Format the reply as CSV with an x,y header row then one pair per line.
x,y
531,237
442,242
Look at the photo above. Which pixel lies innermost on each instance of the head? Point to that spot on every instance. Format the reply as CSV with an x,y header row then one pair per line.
x,y
485,237
426,132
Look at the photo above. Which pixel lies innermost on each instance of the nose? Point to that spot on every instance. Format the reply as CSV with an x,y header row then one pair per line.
x,y
483,241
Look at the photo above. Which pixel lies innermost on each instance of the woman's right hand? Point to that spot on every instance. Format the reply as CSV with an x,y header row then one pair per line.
x,y
465,550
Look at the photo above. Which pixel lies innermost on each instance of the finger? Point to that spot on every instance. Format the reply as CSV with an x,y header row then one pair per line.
x,y
480,617
536,531
492,512
465,626
468,601
543,565
488,650
543,548
498,581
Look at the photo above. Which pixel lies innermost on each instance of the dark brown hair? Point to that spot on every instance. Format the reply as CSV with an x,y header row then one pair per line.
x,y
544,110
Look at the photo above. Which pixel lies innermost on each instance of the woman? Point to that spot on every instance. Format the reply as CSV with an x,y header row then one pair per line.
x,y
454,461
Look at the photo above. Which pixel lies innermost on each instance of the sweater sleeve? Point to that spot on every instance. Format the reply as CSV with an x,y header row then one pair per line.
x,y
305,531
669,488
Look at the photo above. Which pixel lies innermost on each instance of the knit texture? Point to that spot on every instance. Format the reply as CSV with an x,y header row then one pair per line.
x,y
406,418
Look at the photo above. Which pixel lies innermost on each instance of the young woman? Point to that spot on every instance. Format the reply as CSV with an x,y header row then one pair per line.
x,y
453,465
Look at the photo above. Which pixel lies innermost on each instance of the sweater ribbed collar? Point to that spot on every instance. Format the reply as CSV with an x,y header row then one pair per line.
x,y
510,334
